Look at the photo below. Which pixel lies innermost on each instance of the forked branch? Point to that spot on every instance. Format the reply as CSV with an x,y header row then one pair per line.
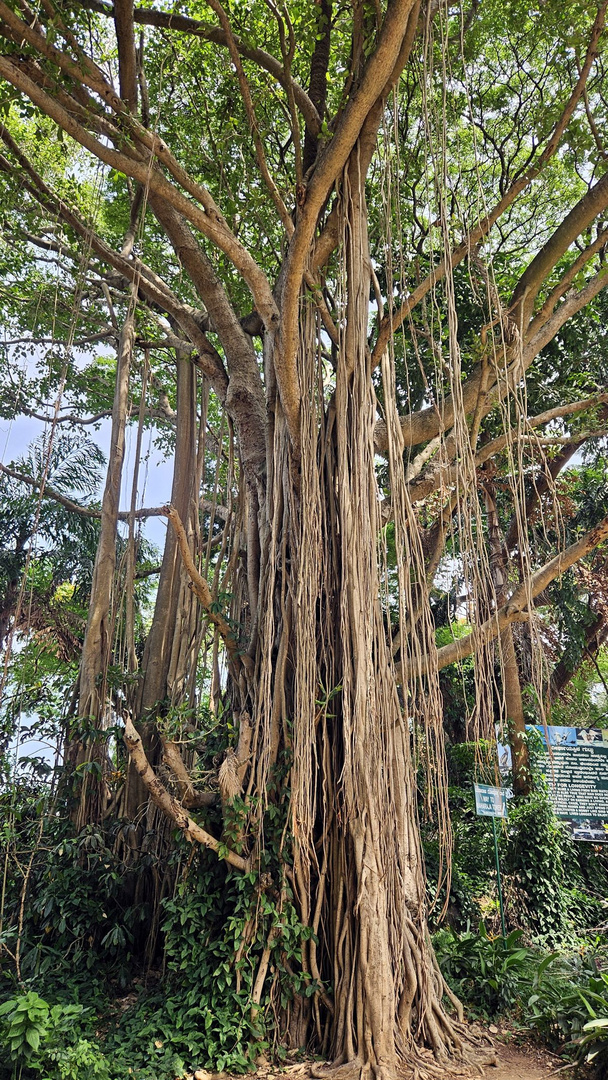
x,y
170,806
183,24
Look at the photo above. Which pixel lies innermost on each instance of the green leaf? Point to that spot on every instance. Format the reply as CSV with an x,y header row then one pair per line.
x,y
33,1037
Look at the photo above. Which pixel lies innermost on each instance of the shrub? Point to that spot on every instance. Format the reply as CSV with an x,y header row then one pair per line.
x,y
44,1039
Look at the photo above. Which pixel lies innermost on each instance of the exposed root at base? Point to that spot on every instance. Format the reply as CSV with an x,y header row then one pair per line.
x,y
347,1071
422,1065
351,1070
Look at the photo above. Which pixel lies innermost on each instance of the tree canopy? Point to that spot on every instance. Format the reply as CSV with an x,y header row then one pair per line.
x,y
344,266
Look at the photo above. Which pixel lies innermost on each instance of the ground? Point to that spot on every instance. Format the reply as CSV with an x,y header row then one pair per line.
x,y
526,1062
514,1061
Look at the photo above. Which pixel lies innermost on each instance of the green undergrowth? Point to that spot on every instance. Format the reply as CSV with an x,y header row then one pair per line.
x,y
91,1005
116,985
561,996
555,889
195,1014
550,974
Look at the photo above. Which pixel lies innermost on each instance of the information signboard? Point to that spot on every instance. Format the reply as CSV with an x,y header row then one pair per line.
x,y
575,764
490,801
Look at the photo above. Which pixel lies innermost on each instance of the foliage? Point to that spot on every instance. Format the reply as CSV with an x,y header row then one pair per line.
x,y
203,1014
76,921
533,856
554,887
484,971
80,948
593,1043
562,996
44,1039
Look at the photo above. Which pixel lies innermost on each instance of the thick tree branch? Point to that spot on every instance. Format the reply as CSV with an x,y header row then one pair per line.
x,y
215,34
425,425
567,279
130,161
170,806
189,797
445,475
580,217
127,65
364,108
317,87
244,398
329,237
516,606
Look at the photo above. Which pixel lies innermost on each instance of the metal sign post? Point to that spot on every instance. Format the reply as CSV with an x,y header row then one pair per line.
x,y
500,903
492,802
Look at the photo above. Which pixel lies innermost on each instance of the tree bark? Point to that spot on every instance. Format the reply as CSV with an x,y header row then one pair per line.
x,y
511,684
98,640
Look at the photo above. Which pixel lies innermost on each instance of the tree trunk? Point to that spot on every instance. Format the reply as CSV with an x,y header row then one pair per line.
x,y
89,754
323,661
511,683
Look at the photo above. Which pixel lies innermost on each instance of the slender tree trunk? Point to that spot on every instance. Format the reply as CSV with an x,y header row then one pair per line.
x,y
511,683
89,754
155,688
516,720
172,633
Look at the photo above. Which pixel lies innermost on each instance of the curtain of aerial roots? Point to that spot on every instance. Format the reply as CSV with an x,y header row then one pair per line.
x,y
478,543
325,660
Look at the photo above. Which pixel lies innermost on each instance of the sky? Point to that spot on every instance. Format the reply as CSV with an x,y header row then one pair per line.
x,y
155,480
155,473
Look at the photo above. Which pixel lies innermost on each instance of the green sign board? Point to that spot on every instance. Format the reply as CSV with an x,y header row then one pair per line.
x,y
490,801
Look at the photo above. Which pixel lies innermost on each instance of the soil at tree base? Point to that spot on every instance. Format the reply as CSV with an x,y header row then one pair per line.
x,y
525,1062
514,1062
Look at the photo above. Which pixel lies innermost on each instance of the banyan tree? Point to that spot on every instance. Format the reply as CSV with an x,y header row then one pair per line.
x,y
336,253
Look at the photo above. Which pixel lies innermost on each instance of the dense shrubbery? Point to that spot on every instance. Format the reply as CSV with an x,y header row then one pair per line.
x,y
78,1024
562,996
555,898
92,1005
555,889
